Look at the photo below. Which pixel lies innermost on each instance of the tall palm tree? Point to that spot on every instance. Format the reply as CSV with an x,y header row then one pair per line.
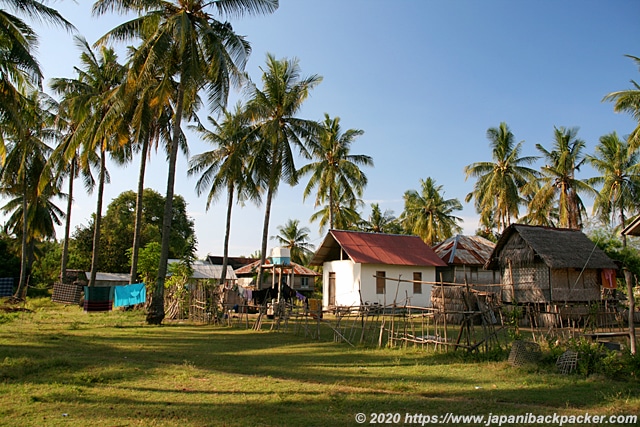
x,y
201,52
296,239
19,69
346,215
59,167
91,103
150,117
542,209
33,213
497,191
226,167
563,161
619,168
334,166
628,101
274,109
429,215
381,222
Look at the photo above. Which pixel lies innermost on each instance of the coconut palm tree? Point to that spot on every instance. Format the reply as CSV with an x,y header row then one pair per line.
x,y
150,116
429,215
558,176
226,167
334,165
59,167
346,215
497,191
628,101
33,213
296,239
20,72
541,207
381,222
274,109
92,105
200,52
619,168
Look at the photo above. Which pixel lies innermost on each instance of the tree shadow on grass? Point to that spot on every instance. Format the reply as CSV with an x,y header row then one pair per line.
x,y
242,377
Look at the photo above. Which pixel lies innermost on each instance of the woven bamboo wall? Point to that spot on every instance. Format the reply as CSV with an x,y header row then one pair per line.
x,y
573,285
449,301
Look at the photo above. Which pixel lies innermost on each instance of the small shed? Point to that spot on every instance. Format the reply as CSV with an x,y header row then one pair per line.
x,y
109,279
303,278
465,257
356,266
550,265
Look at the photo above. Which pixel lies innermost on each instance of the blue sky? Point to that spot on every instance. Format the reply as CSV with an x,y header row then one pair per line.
x,y
423,78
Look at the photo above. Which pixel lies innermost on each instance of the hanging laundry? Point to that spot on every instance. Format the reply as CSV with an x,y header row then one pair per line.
x,y
6,286
608,278
98,298
66,293
130,295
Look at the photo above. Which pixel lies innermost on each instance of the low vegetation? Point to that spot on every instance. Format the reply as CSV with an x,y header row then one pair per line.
x,y
62,366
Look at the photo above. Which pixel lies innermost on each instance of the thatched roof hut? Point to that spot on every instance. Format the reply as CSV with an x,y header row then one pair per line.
x,y
545,265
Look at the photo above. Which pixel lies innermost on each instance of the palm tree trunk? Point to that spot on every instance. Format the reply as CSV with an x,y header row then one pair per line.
x,y
67,225
155,315
98,220
628,276
133,277
227,232
265,234
30,258
622,227
331,209
23,252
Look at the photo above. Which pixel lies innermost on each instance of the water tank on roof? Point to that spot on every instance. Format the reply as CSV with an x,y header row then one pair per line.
x,y
281,256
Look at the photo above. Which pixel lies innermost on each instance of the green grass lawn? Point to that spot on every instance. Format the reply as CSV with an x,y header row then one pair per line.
x,y
61,366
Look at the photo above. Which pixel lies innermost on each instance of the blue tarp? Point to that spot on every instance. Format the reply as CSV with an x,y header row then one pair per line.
x,y
130,295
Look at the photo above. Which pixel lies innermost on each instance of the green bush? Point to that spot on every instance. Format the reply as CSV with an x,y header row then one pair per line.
x,y
594,358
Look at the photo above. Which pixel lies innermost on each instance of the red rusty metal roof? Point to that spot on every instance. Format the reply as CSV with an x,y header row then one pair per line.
x,y
376,248
465,250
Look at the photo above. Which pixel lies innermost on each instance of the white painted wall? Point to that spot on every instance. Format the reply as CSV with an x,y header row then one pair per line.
x,y
347,282
404,289
351,277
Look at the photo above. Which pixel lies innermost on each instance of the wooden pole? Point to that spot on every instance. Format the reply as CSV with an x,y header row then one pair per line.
x,y
632,306
444,308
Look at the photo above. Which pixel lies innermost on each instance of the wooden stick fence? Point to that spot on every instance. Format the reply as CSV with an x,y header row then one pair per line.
x,y
464,316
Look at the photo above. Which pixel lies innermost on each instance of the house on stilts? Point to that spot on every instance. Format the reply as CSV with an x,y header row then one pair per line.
x,y
558,275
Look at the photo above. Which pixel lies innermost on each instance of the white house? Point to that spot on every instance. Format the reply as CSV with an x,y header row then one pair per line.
x,y
364,268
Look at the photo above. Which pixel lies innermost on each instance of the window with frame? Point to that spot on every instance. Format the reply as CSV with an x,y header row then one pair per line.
x,y
417,287
380,282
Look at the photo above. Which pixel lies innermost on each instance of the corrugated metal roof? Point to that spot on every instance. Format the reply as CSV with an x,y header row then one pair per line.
x,y
376,248
204,270
298,270
465,250
209,271
109,277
